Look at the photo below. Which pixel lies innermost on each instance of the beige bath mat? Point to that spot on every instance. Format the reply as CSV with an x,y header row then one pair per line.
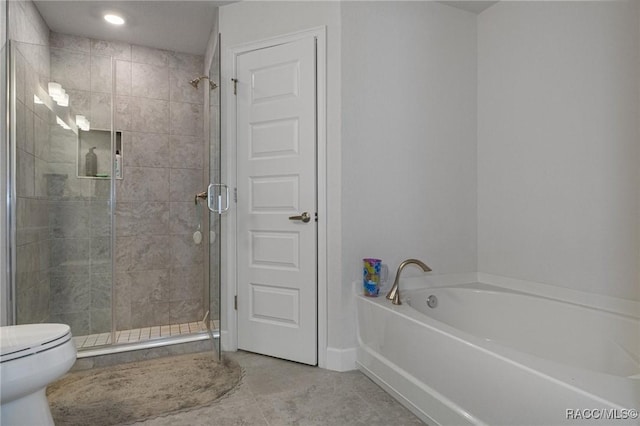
x,y
142,390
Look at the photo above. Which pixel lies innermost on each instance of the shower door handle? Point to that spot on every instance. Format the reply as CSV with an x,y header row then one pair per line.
x,y
216,194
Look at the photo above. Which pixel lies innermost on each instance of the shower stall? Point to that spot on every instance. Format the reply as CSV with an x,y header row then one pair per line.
x,y
109,146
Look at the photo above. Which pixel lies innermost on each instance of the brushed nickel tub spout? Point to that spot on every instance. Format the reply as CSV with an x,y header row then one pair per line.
x,y
394,293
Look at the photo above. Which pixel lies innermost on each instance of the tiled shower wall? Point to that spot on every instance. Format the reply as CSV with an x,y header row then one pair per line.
x,y
159,269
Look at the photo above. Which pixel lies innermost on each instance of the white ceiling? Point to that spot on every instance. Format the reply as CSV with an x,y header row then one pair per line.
x,y
183,26
180,25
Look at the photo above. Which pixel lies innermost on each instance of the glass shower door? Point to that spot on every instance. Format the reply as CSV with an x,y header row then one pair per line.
x,y
214,169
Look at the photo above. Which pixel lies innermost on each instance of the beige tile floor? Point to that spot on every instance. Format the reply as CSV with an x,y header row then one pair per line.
x,y
275,392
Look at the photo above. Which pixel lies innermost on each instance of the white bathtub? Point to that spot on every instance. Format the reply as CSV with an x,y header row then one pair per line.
x,y
496,354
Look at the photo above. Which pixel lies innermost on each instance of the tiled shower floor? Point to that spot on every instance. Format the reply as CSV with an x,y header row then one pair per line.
x,y
142,334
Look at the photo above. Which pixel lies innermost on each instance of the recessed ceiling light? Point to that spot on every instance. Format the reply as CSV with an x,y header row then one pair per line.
x,y
114,19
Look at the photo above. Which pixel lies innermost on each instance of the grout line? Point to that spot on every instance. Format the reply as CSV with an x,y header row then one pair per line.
x,y
102,339
91,340
79,341
134,335
145,333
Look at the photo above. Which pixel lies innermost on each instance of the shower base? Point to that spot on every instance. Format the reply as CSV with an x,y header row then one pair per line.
x,y
140,334
97,350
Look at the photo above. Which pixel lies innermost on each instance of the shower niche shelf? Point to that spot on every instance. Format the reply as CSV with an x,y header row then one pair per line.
x,y
98,142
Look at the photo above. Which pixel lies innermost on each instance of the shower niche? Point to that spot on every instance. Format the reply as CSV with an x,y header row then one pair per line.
x,y
94,154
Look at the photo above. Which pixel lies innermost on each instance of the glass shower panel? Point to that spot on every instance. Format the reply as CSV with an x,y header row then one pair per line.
x,y
5,306
215,237
62,217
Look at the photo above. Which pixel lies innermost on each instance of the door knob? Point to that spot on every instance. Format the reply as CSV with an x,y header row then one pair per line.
x,y
303,217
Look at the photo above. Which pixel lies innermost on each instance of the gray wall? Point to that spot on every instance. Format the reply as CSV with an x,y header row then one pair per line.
x,y
25,23
558,144
408,138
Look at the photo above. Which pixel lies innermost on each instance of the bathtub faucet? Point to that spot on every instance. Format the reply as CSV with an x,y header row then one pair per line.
x,y
394,293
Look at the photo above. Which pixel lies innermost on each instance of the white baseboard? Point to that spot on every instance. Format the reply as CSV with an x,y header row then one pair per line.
x,y
341,359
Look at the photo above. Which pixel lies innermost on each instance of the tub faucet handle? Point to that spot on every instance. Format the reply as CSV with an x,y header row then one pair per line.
x,y
203,195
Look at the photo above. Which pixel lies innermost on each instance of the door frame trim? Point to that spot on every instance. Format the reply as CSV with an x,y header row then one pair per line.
x,y
228,333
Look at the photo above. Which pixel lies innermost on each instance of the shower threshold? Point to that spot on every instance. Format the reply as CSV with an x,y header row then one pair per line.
x,y
144,338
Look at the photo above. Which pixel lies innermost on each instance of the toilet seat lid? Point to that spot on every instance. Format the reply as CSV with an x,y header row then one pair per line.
x,y
17,341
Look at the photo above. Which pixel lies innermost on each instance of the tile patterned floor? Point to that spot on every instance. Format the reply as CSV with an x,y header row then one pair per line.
x,y
274,392
141,334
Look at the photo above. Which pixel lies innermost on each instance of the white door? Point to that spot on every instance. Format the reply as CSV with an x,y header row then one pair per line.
x,y
276,205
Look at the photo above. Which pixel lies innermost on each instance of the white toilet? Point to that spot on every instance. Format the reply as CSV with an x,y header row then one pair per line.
x,y
31,357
